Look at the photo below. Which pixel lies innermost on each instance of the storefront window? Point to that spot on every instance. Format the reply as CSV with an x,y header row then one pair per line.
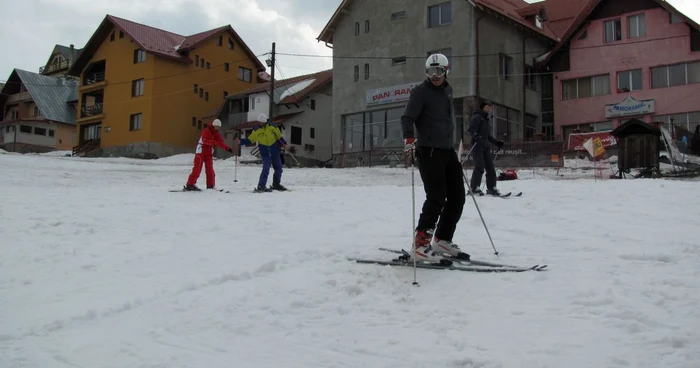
x,y
686,121
507,125
377,131
353,133
394,133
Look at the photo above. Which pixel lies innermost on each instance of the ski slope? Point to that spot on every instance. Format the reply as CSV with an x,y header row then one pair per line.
x,y
102,267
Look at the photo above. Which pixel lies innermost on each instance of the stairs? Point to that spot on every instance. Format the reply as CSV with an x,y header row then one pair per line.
x,y
86,147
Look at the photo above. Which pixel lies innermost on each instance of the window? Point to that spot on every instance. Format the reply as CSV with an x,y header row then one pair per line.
x,y
206,96
356,73
531,78
137,87
598,85
36,111
226,67
196,88
507,125
367,26
245,74
199,124
675,75
25,129
208,65
440,15
630,80
398,60
52,133
686,121
220,41
538,22
398,15
296,135
230,43
139,56
675,18
201,92
613,30
357,28
135,122
366,70
312,133
225,94
252,102
201,62
196,60
446,51
14,115
40,131
636,25
194,122
312,104
121,34
505,66
111,36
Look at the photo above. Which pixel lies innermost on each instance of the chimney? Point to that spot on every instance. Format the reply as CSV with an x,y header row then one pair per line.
x,y
70,57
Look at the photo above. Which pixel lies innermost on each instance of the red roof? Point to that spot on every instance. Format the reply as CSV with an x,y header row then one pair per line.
x,y
507,8
155,41
320,79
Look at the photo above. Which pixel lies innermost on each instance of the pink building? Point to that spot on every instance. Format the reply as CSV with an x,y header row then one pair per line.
x,y
622,59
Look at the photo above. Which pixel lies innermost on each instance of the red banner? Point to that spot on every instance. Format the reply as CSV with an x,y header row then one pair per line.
x,y
576,140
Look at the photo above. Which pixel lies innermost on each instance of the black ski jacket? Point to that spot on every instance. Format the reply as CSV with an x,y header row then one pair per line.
x,y
480,130
430,109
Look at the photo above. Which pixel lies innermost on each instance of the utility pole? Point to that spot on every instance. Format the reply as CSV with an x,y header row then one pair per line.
x,y
271,64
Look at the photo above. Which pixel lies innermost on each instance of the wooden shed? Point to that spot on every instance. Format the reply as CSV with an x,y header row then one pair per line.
x,y
638,148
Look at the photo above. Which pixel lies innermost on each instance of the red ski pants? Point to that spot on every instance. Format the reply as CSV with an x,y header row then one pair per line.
x,y
208,162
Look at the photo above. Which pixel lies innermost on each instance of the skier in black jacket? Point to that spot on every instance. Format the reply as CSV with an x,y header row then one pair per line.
x,y
430,109
480,131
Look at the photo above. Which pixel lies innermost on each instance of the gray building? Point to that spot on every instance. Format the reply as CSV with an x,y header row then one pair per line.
x,y
380,48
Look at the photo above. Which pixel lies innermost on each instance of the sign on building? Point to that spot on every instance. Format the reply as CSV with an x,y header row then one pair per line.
x,y
629,106
385,95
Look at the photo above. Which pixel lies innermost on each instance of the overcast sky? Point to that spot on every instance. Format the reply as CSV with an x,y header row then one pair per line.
x,y
30,28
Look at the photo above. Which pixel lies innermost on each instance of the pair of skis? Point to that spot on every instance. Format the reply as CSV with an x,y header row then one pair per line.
x,y
198,190
449,263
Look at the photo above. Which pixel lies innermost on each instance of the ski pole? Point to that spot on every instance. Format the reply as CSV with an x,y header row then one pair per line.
x,y
413,205
235,170
469,187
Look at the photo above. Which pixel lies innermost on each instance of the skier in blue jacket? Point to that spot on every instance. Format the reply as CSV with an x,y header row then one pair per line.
x,y
270,143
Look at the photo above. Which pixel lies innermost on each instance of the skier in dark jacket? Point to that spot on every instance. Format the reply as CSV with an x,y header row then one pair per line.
x,y
480,131
430,109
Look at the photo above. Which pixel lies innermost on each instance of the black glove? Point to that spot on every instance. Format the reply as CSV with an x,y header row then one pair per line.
x,y
500,144
230,150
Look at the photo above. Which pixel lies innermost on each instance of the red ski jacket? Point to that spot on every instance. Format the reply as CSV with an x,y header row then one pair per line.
x,y
210,138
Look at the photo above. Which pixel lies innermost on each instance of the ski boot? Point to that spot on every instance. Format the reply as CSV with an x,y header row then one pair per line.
x,y
424,252
262,189
191,188
450,248
477,192
493,192
278,186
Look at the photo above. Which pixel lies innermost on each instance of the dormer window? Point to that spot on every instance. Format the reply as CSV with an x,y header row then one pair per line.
x,y
538,22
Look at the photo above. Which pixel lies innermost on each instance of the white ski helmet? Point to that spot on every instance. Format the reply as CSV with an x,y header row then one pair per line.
x,y
262,117
216,123
437,64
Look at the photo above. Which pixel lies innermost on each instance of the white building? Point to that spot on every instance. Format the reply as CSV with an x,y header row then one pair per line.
x,y
303,110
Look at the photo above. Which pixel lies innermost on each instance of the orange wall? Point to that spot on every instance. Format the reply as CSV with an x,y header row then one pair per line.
x,y
118,103
66,137
176,103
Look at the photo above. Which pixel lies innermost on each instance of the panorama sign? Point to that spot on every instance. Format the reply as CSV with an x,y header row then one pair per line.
x,y
629,107
385,95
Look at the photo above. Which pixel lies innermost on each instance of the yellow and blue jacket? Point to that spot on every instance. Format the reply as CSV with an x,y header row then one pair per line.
x,y
269,139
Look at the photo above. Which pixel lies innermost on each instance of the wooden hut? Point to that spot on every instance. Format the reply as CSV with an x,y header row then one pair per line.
x,y
638,148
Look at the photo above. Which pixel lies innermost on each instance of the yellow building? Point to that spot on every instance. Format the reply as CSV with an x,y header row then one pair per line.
x,y
142,89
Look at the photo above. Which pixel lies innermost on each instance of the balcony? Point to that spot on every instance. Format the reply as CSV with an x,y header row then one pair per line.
x,y
54,67
94,76
91,105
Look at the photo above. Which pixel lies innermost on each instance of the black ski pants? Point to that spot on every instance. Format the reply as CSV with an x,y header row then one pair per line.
x,y
483,161
443,183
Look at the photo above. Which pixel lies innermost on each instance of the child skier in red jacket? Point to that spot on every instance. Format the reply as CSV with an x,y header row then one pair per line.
x,y
204,155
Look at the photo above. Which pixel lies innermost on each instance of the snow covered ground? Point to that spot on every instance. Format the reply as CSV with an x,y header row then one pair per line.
x,y
102,267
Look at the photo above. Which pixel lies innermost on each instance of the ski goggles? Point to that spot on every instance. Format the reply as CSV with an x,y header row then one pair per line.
x,y
437,71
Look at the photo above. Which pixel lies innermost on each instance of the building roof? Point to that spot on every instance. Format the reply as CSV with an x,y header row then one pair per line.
x,y
154,41
66,52
507,8
568,16
50,94
292,90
